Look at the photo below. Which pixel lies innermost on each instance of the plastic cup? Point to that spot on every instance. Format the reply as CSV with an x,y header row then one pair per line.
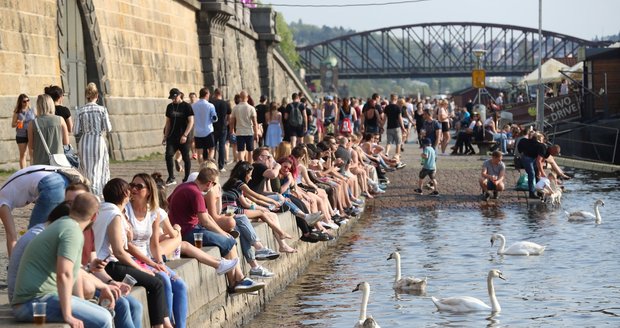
x,y
230,210
20,124
129,280
38,312
198,239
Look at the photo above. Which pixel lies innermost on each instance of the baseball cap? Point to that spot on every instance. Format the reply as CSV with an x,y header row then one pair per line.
x,y
174,92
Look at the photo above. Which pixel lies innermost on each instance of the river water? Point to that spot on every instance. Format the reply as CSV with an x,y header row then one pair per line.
x,y
575,283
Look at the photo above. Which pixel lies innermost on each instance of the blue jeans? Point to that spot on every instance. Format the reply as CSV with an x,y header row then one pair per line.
x,y
210,238
91,314
51,193
176,295
502,139
247,236
529,165
128,312
294,209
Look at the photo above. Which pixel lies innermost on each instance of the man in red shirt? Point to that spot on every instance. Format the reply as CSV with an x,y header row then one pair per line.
x,y
186,207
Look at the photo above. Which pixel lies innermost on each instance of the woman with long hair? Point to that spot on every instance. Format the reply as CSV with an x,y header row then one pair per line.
x,y
233,195
22,116
142,214
91,124
52,128
275,128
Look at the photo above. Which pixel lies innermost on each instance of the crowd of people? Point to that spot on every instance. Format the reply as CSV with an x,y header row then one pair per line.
x,y
316,160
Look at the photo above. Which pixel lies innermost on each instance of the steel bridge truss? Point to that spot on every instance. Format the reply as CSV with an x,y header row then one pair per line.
x,y
438,50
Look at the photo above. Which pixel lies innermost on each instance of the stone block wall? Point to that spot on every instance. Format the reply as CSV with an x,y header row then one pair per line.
x,y
28,61
149,47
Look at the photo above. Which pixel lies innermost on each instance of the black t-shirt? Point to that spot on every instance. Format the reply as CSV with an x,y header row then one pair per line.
x,y
393,112
261,110
419,120
222,108
257,182
63,112
532,148
292,105
178,114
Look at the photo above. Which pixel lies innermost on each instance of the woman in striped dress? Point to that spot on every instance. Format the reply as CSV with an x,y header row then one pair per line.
x,y
91,124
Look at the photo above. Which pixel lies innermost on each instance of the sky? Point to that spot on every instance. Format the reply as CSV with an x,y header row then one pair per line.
x,y
579,18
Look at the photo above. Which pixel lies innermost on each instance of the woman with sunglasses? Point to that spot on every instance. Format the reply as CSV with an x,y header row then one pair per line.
x,y
142,214
22,116
233,195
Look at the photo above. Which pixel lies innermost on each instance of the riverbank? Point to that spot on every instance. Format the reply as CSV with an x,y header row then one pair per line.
x,y
211,305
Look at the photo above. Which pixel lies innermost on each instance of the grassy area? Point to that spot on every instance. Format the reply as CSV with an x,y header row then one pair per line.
x,y
6,173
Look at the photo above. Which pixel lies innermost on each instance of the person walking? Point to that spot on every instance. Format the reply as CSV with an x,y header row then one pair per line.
x,y
429,167
91,124
244,125
58,95
179,124
51,128
204,117
22,116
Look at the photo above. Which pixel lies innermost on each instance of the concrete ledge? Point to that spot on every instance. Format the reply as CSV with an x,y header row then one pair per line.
x,y
209,303
588,165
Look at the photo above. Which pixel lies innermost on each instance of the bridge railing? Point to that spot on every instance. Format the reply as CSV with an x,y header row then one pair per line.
x,y
587,141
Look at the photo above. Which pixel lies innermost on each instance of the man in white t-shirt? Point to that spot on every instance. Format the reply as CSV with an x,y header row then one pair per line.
x,y
244,125
40,183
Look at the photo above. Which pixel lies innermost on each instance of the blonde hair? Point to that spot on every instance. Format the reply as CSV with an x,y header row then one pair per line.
x,y
45,105
283,150
91,92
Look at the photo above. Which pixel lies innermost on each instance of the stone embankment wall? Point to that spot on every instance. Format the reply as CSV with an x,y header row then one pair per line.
x,y
135,51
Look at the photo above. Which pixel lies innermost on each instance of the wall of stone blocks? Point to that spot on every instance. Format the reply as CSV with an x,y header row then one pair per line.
x,y
28,61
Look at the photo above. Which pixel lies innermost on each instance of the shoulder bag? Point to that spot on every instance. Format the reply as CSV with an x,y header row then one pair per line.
x,y
55,159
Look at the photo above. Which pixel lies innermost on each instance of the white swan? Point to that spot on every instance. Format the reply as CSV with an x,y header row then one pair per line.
x,y
365,321
519,248
583,215
406,284
471,304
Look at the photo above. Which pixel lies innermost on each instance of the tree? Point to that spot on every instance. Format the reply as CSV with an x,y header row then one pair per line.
x,y
287,44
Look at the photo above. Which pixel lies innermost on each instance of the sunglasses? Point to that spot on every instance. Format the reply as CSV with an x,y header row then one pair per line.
x,y
213,183
137,186
26,101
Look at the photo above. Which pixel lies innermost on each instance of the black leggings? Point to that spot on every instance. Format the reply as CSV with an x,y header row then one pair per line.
x,y
155,292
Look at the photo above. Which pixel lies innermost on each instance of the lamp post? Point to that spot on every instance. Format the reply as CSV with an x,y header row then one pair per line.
x,y
540,98
478,73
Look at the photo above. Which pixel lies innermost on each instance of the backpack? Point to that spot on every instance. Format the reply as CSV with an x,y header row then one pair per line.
x,y
345,124
295,119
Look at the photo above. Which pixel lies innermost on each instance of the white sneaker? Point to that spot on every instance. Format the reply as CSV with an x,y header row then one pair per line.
x,y
330,225
261,272
226,265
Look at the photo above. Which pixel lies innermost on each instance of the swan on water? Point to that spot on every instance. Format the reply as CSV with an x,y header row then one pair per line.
x,y
519,248
583,215
406,284
365,321
471,304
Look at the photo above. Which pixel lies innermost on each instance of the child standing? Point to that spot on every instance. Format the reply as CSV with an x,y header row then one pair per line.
x,y
428,167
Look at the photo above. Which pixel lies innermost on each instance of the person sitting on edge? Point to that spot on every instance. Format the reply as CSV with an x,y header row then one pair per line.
x,y
49,268
429,166
492,175
186,207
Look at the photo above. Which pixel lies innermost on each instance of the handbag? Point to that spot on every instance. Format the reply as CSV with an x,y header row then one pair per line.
x,y
55,159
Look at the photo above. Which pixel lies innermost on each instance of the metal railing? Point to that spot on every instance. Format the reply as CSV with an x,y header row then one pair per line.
x,y
586,141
